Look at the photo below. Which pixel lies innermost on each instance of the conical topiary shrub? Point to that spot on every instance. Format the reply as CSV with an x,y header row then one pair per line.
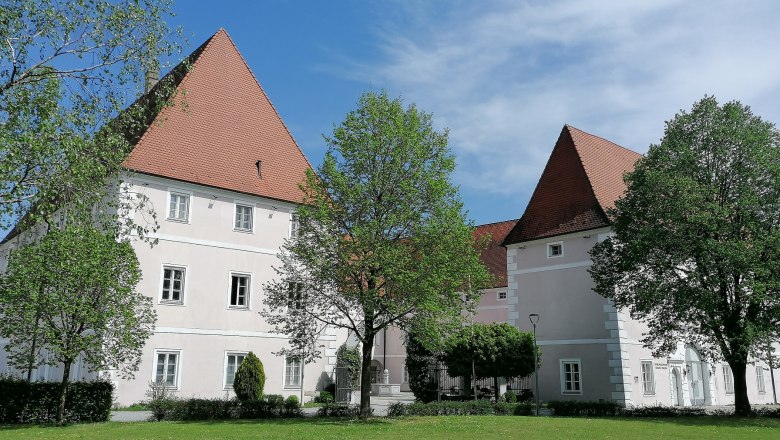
x,y
250,379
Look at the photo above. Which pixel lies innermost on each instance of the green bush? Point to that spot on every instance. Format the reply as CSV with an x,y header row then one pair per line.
x,y
467,408
274,406
663,411
510,397
324,397
339,410
292,406
349,358
36,402
583,408
250,379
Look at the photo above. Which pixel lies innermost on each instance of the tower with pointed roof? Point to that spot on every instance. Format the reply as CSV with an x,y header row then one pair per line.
x,y
590,350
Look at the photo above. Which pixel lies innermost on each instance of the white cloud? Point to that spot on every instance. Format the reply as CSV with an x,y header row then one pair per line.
x,y
506,76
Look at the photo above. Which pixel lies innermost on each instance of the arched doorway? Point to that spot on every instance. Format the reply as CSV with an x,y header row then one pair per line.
x,y
677,399
376,371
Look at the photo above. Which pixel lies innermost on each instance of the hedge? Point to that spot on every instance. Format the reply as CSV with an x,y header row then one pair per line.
x,y
37,402
271,407
467,408
583,408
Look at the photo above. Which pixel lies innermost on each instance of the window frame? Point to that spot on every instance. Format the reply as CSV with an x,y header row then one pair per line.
x,y
183,293
648,390
244,204
563,363
287,361
292,233
760,382
243,354
498,295
550,248
248,295
728,379
179,192
177,372
295,302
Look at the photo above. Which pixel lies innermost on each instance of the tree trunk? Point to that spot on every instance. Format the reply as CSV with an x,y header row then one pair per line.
x,y
63,392
495,385
365,377
741,401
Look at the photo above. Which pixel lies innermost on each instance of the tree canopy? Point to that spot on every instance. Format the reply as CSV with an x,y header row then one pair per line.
x,y
382,237
696,246
68,71
496,350
72,294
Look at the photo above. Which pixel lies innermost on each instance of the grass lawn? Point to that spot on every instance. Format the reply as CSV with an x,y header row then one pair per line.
x,y
475,427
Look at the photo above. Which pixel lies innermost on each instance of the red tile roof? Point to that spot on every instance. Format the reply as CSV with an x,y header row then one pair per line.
x,y
582,179
494,256
224,125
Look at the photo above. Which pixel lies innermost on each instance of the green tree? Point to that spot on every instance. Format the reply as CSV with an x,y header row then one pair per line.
x,y
68,70
348,358
75,288
490,350
419,361
696,250
250,379
382,235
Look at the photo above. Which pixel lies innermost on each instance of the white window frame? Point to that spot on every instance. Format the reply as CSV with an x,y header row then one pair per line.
x,y
563,363
244,204
294,226
405,374
287,386
728,379
248,299
760,379
179,192
648,377
550,248
177,373
498,295
225,385
182,295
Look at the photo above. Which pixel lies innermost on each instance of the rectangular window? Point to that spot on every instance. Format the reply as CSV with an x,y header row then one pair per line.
x,y
760,379
571,377
239,291
728,380
167,368
406,374
648,380
231,366
179,207
555,249
292,373
501,295
293,226
294,296
243,221
173,285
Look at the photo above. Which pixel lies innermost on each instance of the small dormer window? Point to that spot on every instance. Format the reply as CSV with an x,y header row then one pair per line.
x,y
555,250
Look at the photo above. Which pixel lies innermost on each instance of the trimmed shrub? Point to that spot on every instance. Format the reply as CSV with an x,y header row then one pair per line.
x,y
663,411
324,397
510,397
340,410
584,408
36,402
292,406
220,409
768,412
468,408
250,379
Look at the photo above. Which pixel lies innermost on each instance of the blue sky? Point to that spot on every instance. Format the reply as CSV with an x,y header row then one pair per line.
x,y
504,76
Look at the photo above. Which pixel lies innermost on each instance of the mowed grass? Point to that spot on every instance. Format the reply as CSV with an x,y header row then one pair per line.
x,y
475,427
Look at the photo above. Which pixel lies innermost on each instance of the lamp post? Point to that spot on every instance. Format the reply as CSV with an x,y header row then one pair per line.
x,y
534,318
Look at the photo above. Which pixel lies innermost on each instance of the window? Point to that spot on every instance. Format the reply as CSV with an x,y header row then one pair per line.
x,y
239,291
571,377
166,370
292,373
231,366
179,207
555,250
172,285
648,381
501,295
728,380
294,296
406,374
760,379
243,221
293,225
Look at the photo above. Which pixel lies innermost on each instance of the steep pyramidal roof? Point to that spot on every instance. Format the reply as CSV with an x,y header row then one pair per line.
x,y
221,125
582,179
494,256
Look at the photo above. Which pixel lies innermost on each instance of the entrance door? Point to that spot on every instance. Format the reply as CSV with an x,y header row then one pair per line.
x,y
677,387
697,384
